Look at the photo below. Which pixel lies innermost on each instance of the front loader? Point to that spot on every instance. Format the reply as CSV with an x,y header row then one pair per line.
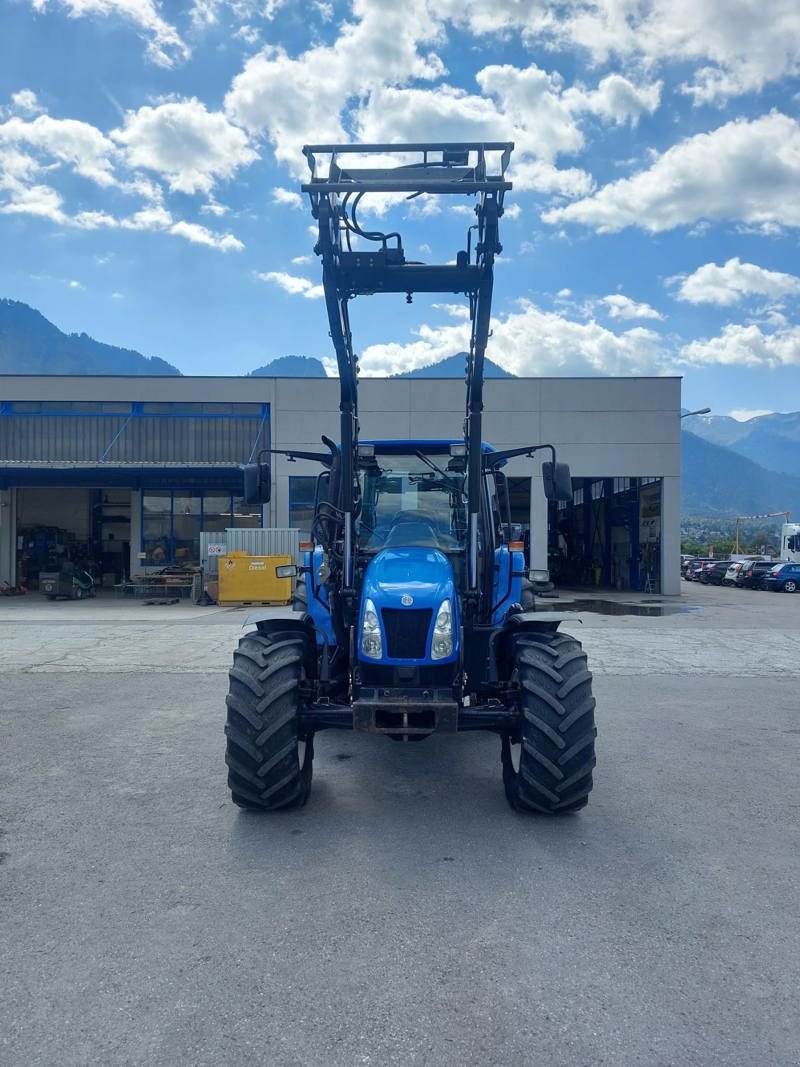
x,y
414,613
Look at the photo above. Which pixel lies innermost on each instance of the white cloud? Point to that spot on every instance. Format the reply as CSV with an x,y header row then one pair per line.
x,y
189,146
213,208
744,415
75,285
622,307
745,346
302,260
616,99
38,200
288,197
21,193
547,178
371,68
78,144
201,236
291,283
445,113
280,96
153,217
735,46
531,342
164,45
204,13
248,34
742,171
527,105
27,102
734,281
93,220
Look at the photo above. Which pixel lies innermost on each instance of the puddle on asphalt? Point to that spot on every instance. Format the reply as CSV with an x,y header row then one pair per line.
x,y
650,608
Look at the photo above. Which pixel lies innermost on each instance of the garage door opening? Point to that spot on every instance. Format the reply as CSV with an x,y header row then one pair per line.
x,y
90,528
609,535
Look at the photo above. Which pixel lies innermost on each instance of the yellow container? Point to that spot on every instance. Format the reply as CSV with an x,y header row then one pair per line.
x,y
252,579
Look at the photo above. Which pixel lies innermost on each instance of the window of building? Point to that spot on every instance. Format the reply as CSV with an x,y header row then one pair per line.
x,y
173,519
184,407
186,516
157,529
65,407
217,514
246,516
301,502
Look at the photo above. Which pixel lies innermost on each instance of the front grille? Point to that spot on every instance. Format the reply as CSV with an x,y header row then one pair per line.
x,y
406,632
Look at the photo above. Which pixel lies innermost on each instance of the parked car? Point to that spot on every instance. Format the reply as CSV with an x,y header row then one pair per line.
x,y
753,572
729,577
714,573
693,567
701,575
783,577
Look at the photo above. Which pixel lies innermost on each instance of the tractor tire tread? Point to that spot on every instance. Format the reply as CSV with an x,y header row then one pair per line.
x,y
556,750
263,723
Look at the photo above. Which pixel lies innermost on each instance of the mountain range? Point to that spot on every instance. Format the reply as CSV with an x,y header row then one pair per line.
x,y
719,482
453,367
728,467
773,440
30,344
290,367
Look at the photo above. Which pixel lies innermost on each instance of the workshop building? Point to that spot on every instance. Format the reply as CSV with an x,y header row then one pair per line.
x,y
126,472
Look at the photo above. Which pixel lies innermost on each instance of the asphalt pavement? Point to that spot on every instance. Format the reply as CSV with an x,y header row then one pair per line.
x,y
406,915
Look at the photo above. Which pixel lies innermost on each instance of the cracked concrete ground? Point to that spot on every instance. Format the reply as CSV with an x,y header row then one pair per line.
x,y
405,916
702,631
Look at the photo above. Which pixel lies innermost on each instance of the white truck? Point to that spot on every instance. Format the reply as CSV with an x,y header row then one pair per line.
x,y
790,542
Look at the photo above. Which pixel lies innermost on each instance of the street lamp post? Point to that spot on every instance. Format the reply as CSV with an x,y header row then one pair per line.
x,y
700,411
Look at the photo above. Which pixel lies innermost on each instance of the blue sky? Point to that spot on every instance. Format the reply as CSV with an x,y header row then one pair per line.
x,y
150,168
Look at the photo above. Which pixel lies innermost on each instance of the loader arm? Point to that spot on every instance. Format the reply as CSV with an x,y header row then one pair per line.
x,y
356,262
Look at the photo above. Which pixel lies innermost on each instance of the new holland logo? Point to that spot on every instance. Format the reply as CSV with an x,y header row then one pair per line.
x,y
406,600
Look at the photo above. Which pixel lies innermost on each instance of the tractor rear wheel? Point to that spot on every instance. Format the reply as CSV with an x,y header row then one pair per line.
x,y
549,767
269,757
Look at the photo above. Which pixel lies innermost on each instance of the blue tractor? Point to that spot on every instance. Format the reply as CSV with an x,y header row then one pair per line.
x,y
414,612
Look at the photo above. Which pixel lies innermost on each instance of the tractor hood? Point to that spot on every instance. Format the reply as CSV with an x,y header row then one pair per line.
x,y
423,574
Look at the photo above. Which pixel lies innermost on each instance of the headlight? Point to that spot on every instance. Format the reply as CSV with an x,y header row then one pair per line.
x,y
371,642
442,643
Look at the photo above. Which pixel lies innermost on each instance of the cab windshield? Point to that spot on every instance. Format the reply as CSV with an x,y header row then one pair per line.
x,y
412,500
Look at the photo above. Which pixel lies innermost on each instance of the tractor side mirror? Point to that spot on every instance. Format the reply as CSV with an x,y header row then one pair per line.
x,y
257,483
557,481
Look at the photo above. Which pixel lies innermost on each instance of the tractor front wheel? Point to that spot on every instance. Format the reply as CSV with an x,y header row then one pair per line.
x,y
547,767
269,757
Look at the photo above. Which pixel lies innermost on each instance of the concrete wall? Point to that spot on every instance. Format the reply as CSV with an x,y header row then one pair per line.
x,y
602,427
